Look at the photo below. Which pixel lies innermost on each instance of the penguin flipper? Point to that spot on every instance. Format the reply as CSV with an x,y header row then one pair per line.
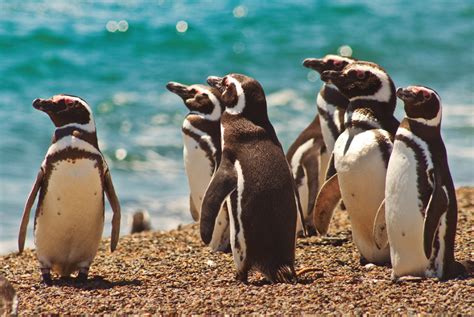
x,y
193,209
312,175
115,204
380,228
437,205
26,211
326,202
223,183
331,169
299,209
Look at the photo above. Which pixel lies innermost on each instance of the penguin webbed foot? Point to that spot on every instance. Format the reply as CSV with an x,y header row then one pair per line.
x,y
82,276
46,277
242,276
363,261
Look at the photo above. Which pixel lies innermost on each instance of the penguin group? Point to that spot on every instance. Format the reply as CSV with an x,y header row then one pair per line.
x,y
251,198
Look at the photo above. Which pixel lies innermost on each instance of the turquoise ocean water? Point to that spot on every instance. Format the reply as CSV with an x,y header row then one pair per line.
x,y
119,56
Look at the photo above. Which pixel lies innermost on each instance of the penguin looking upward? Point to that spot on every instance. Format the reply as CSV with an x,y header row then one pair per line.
x,y
202,150
72,180
255,179
358,166
330,102
309,154
308,160
420,199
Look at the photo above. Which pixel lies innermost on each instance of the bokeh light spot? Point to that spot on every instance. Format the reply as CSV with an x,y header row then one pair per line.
x,y
240,11
120,154
345,50
112,26
123,26
182,26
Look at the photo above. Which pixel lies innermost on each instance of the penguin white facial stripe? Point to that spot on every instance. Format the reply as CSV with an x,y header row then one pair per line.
x,y
240,190
299,154
88,127
216,112
239,107
337,58
384,93
323,104
204,136
430,122
72,98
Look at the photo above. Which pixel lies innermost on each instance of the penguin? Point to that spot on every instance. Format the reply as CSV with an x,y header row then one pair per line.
x,y
308,160
71,182
330,102
140,221
202,151
358,165
255,179
309,154
8,298
420,199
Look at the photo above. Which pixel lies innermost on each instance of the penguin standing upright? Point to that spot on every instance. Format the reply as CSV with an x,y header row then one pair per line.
x,y
358,166
330,102
308,160
309,154
255,178
202,151
72,180
420,199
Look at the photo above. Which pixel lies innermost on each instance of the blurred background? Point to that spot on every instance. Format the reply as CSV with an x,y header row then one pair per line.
x,y
118,55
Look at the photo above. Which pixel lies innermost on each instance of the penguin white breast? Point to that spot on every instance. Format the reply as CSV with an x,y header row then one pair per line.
x,y
361,172
403,212
198,168
71,216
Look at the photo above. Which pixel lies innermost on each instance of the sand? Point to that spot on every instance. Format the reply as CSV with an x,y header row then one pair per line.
x,y
172,272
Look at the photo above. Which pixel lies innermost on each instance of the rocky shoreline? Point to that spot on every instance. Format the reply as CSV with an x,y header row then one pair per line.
x,y
171,272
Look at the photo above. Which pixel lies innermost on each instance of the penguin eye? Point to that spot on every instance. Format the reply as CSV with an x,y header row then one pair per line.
x,y
337,63
426,94
360,74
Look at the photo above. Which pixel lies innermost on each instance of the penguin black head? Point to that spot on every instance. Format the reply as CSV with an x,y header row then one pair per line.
x,y
363,80
329,62
67,110
241,95
200,99
422,104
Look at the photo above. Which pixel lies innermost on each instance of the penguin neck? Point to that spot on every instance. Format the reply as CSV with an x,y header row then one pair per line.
x,y
204,126
75,131
333,97
426,132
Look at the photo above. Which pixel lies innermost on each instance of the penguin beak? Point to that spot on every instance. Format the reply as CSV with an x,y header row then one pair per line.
x,y
216,82
331,76
45,105
406,94
314,63
180,89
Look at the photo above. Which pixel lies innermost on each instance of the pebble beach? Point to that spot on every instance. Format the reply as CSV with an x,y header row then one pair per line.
x,y
170,272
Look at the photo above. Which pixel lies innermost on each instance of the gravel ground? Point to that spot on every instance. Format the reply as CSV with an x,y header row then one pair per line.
x,y
171,272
